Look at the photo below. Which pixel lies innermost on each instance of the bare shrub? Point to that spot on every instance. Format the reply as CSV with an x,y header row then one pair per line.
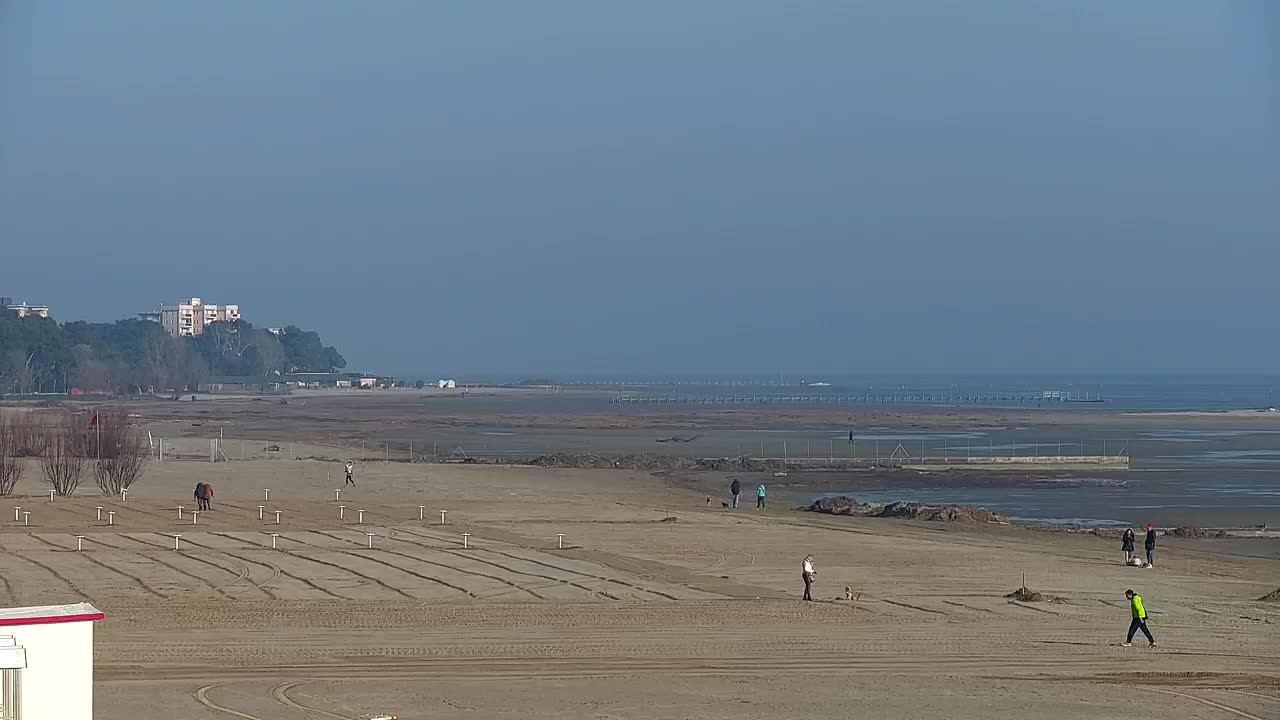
x,y
116,450
11,466
28,434
63,461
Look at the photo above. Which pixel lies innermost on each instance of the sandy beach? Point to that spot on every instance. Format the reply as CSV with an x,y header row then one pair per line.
x,y
657,606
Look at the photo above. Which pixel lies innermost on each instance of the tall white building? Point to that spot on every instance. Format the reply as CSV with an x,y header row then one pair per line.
x,y
23,309
188,318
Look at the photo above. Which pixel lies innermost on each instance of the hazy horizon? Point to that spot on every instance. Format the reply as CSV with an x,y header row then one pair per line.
x,y
661,188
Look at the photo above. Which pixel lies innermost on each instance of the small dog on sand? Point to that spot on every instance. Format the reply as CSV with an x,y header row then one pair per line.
x,y
724,504
850,595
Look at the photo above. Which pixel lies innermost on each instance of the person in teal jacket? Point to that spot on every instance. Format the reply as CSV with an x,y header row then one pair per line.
x,y
760,497
1139,622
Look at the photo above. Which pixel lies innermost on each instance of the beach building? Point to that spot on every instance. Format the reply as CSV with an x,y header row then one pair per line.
x,y
46,662
22,309
189,317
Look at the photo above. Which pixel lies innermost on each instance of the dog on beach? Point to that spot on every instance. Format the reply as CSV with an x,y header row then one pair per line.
x,y
850,595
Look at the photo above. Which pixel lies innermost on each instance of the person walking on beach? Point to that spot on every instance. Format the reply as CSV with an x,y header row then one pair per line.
x,y
1126,544
760,497
1139,621
208,495
735,487
199,495
850,437
1150,545
351,469
808,573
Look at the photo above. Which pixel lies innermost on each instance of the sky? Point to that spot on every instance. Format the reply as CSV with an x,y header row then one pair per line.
x,y
650,186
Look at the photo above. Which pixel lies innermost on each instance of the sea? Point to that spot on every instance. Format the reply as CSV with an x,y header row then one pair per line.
x,y
1214,471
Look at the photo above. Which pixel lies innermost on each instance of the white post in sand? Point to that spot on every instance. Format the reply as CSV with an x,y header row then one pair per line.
x,y
17,513
179,512
260,509
360,517
50,496
176,538
370,540
111,517
195,515
79,543
560,539
422,509
99,509
342,512
278,516
442,514
464,540
337,495
266,494
26,517
273,540
124,495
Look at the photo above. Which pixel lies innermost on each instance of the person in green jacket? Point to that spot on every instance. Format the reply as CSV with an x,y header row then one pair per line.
x,y
1139,618
760,497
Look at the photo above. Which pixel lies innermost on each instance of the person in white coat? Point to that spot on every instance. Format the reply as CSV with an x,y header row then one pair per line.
x,y
809,573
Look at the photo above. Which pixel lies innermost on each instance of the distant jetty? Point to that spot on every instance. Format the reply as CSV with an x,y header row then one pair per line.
x,y
1024,398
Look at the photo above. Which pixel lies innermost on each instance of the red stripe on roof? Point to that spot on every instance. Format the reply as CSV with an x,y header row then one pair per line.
x,y
49,619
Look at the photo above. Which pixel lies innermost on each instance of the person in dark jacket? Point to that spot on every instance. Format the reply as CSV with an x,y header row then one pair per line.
x,y
1151,546
1126,544
735,487
199,495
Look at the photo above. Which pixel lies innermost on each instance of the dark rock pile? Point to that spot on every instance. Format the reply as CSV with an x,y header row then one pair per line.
x,y
845,505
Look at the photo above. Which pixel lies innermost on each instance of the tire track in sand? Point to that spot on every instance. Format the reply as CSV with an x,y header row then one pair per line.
x,y
137,580
201,695
280,694
335,566
562,581
415,558
166,563
241,571
513,570
1226,708
275,570
65,580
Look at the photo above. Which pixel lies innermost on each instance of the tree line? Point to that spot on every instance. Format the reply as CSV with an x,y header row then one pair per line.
x,y
41,355
96,443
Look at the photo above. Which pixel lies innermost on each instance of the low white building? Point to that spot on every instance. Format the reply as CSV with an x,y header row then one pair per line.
x,y
46,662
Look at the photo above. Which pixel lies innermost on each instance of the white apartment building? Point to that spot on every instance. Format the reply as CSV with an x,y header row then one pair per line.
x,y
188,318
23,309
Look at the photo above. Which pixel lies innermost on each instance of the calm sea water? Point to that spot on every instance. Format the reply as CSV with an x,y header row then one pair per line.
x,y
1124,392
1185,471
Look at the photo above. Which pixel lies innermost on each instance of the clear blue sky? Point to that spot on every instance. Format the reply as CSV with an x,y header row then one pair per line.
x,y
720,185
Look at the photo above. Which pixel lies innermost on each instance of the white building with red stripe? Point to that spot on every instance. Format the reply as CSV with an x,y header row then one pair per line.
x,y
46,662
